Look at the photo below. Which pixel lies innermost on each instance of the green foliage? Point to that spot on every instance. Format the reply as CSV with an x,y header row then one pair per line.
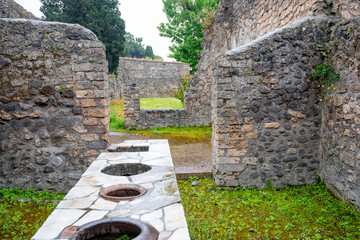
x,y
158,58
10,194
116,114
22,212
134,48
296,212
100,16
185,85
326,75
187,21
124,237
149,52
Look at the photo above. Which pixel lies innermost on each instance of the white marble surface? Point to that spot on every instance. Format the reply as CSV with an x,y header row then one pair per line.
x,y
160,206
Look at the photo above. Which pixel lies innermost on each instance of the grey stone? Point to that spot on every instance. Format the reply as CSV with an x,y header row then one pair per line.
x,y
41,100
66,103
4,62
195,183
56,161
42,161
48,90
36,84
25,106
68,93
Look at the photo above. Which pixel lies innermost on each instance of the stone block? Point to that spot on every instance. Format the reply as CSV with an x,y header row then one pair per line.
x,y
80,129
81,94
250,161
236,152
99,113
85,103
235,136
272,125
5,116
247,128
295,114
90,121
90,137
252,136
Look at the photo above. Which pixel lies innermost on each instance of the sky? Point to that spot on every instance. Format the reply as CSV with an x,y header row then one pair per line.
x,y
141,19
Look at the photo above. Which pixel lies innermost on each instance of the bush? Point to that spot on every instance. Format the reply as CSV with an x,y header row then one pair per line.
x,y
185,83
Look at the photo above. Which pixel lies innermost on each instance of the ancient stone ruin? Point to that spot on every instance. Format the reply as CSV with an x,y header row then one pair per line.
x,y
10,9
54,104
253,83
268,122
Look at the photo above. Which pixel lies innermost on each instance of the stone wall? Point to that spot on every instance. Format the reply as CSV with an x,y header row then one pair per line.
x,y
340,138
54,108
266,123
114,87
134,117
242,21
10,9
154,78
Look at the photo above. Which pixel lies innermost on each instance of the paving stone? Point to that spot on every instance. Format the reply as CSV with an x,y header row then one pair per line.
x,y
80,203
102,204
174,217
180,234
54,224
90,216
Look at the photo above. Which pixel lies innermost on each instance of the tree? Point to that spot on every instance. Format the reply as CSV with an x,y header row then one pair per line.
x,y
100,16
149,52
133,47
187,21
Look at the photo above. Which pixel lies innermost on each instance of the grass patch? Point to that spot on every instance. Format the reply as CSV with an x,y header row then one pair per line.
x,y
23,212
200,133
297,212
161,103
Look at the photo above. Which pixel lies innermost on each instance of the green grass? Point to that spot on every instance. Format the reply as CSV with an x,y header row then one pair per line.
x,y
117,109
23,212
296,212
199,133
301,212
161,103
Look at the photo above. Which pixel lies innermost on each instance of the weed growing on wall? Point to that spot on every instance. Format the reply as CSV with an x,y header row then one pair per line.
x,y
325,74
185,84
328,80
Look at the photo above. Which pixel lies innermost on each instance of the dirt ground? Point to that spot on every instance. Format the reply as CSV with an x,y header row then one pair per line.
x,y
186,152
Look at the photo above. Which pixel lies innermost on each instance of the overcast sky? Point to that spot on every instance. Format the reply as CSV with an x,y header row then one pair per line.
x,y
141,19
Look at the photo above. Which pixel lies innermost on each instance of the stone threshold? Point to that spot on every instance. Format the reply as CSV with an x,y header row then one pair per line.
x,y
183,173
160,206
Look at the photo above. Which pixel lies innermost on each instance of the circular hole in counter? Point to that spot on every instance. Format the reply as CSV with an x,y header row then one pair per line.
x,y
114,228
121,192
126,169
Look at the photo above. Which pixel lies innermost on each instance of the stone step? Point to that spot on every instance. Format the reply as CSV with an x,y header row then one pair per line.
x,y
183,173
